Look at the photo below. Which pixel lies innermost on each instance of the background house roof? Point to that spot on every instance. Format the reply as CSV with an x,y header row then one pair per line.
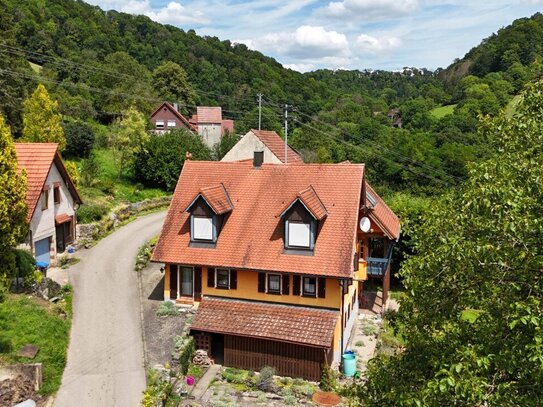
x,y
277,146
209,114
382,214
252,234
284,323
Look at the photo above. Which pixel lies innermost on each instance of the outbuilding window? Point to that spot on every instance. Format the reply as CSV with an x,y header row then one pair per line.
x,y
56,194
45,199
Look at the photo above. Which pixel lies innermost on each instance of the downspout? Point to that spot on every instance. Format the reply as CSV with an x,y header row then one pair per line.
x,y
341,283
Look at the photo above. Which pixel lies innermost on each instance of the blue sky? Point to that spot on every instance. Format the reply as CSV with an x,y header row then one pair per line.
x,y
350,34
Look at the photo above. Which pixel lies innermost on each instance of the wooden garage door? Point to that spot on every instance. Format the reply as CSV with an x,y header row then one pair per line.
x,y
287,359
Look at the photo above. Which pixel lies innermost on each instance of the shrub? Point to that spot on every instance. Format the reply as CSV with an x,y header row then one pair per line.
x,y
186,356
107,186
91,213
73,171
328,379
90,171
25,263
195,371
159,163
265,380
235,376
167,308
79,139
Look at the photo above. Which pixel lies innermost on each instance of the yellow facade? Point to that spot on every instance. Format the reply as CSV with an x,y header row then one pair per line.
x,y
247,288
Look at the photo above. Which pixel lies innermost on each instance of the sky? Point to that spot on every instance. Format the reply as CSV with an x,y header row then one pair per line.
x,y
305,35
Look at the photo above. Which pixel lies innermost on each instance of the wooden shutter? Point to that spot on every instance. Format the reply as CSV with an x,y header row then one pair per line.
x,y
286,284
233,279
210,277
261,282
321,291
295,285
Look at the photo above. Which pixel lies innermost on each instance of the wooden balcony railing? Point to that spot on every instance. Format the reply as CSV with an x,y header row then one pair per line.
x,y
376,266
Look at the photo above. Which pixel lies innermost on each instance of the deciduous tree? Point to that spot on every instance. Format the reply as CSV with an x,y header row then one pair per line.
x,y
42,121
171,83
13,209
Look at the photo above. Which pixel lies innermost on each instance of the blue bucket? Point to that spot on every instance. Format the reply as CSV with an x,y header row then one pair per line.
x,y
349,364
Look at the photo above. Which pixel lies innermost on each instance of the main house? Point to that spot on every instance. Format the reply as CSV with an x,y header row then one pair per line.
x,y
275,256
51,199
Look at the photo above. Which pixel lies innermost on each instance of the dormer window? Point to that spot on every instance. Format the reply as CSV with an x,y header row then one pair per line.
x,y
302,217
207,211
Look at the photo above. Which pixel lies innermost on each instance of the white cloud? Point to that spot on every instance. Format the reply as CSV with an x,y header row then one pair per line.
x,y
300,67
371,9
376,45
173,13
306,42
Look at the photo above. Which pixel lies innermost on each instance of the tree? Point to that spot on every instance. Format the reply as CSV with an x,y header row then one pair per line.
x,y
79,137
473,316
171,83
159,163
13,209
42,119
225,145
128,137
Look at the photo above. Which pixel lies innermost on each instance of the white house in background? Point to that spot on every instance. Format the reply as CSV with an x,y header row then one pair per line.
x,y
51,198
266,141
210,125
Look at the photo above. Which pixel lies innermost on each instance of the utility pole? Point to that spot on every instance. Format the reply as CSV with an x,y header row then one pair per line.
x,y
286,134
260,111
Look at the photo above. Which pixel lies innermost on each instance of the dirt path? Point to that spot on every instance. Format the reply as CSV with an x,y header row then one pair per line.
x,y
105,358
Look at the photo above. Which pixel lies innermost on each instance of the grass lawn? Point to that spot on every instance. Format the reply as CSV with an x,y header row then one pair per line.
x,y
25,320
109,190
440,112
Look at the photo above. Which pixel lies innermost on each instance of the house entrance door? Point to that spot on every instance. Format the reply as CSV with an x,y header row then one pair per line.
x,y
187,278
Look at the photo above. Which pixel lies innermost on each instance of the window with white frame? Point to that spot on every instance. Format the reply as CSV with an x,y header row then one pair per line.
x,y
223,278
299,234
159,124
202,228
309,286
274,283
171,123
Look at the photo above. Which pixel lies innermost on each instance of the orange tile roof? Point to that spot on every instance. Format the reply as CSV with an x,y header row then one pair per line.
x,y
311,201
381,214
216,197
209,114
284,323
277,146
36,159
62,218
252,235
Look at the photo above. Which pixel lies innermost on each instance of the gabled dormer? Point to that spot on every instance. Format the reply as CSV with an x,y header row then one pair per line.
x,y
207,214
301,218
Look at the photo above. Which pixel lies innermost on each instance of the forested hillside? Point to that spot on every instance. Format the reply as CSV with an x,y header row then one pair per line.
x,y
98,64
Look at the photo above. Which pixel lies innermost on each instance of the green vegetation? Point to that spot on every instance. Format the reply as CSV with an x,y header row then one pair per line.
x,y
144,254
473,335
442,111
166,309
32,321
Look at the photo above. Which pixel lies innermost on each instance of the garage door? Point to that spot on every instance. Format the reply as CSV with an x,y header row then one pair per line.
x,y
42,251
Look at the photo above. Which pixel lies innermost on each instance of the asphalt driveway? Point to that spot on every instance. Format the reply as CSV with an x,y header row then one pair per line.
x,y
105,359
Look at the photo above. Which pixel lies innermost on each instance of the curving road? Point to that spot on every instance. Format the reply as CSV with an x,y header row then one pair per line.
x,y
105,359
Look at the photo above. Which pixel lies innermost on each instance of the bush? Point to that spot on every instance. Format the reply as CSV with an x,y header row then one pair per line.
x,y
265,380
328,379
91,213
159,163
167,308
90,171
107,186
24,262
234,376
79,139
186,355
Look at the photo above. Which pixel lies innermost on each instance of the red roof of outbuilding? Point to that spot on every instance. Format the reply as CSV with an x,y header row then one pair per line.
x,y
381,214
209,114
252,235
36,159
284,323
277,146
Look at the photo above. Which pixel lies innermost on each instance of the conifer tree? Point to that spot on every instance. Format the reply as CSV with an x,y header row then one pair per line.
x,y
13,208
42,119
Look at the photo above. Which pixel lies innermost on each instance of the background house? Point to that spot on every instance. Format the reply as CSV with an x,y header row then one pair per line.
x,y
266,141
51,199
210,124
167,117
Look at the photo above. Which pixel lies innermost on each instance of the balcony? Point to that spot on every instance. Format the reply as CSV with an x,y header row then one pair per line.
x,y
376,267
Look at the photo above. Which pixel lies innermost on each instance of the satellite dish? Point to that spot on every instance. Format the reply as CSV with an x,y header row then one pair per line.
x,y
365,224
